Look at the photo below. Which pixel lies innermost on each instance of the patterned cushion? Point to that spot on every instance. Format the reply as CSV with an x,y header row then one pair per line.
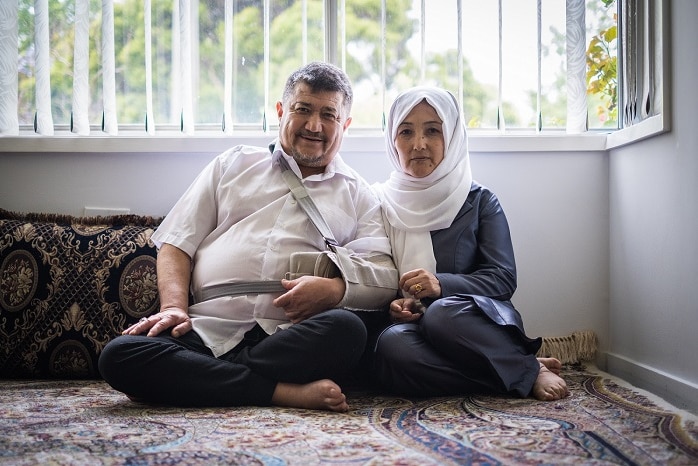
x,y
68,285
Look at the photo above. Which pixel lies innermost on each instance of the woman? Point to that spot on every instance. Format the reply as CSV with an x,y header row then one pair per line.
x,y
456,330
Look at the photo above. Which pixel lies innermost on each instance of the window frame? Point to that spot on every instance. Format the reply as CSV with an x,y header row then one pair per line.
x,y
208,139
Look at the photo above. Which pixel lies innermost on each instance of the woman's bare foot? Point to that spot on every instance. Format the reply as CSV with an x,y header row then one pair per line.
x,y
553,364
549,386
321,394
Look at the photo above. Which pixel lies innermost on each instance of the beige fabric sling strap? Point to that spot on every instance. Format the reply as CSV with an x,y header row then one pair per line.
x,y
307,204
239,288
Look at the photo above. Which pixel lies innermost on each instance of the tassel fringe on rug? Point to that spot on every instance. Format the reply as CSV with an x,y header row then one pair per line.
x,y
578,347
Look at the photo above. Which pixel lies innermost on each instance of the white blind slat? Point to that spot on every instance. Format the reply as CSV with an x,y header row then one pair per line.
x,y
44,119
501,125
422,41
176,75
304,31
575,26
329,11
343,33
9,55
149,117
461,70
267,55
185,34
109,123
228,72
81,68
384,43
654,18
539,29
645,109
630,67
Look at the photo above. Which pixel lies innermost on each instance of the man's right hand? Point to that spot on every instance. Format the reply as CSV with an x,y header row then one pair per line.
x,y
176,319
309,295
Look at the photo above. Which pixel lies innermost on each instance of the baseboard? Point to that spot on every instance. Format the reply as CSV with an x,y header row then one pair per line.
x,y
680,393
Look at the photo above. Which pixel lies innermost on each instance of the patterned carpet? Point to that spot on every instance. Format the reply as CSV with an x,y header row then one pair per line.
x,y
602,422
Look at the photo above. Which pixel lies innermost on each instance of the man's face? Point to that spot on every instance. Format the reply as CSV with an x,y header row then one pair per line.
x,y
311,127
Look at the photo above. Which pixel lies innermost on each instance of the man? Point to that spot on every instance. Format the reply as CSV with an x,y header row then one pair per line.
x,y
238,222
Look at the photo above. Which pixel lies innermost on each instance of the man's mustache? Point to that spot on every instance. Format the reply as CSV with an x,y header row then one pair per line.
x,y
311,135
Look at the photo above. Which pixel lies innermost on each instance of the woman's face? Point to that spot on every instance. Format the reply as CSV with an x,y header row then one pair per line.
x,y
420,141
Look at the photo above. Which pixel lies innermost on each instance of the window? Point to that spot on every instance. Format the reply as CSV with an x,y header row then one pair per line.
x,y
93,66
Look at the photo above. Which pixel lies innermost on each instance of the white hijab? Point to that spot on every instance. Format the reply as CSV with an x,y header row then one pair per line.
x,y
413,207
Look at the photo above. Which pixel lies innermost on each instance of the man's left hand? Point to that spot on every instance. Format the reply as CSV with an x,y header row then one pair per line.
x,y
309,295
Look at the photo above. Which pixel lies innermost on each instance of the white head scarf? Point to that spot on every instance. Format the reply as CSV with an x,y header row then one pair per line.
x,y
416,206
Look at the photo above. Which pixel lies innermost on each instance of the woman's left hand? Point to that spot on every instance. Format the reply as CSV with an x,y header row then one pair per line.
x,y
420,284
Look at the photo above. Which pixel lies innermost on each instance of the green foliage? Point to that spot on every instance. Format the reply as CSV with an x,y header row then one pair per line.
x,y
602,72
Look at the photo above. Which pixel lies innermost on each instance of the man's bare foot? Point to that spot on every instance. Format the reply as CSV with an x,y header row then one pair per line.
x,y
553,364
321,394
549,386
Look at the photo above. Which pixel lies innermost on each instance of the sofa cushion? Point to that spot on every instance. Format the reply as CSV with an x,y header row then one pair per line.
x,y
68,285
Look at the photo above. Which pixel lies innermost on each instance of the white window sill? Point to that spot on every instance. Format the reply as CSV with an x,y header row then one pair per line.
x,y
354,141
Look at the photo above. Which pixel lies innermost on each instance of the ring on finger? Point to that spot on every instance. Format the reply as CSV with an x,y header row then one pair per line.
x,y
418,288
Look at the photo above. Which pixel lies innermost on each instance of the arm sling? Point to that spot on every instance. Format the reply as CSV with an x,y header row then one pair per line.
x,y
316,263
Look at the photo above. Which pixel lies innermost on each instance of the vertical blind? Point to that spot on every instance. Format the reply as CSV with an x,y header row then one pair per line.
x,y
636,83
576,67
81,91
43,121
639,69
9,121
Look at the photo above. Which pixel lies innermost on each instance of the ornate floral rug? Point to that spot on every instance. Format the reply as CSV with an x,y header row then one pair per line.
x,y
604,421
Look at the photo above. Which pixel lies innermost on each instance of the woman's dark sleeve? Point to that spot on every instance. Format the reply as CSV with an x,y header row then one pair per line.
x,y
483,255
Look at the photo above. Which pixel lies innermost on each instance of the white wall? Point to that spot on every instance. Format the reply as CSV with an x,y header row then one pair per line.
x,y
556,203
558,212
654,240
557,206
67,182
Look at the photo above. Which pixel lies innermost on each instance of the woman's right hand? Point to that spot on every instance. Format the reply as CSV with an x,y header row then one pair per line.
x,y
402,310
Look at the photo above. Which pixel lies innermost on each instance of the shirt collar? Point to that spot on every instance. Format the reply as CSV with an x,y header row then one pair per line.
x,y
336,166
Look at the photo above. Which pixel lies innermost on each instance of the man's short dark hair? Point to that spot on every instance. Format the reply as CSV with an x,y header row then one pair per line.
x,y
321,77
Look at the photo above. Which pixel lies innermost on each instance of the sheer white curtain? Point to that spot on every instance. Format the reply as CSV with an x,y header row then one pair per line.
x,y
576,67
109,123
9,121
186,89
80,123
149,118
43,122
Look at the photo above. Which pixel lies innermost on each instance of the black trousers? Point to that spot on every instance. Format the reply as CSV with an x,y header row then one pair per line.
x,y
183,372
455,349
